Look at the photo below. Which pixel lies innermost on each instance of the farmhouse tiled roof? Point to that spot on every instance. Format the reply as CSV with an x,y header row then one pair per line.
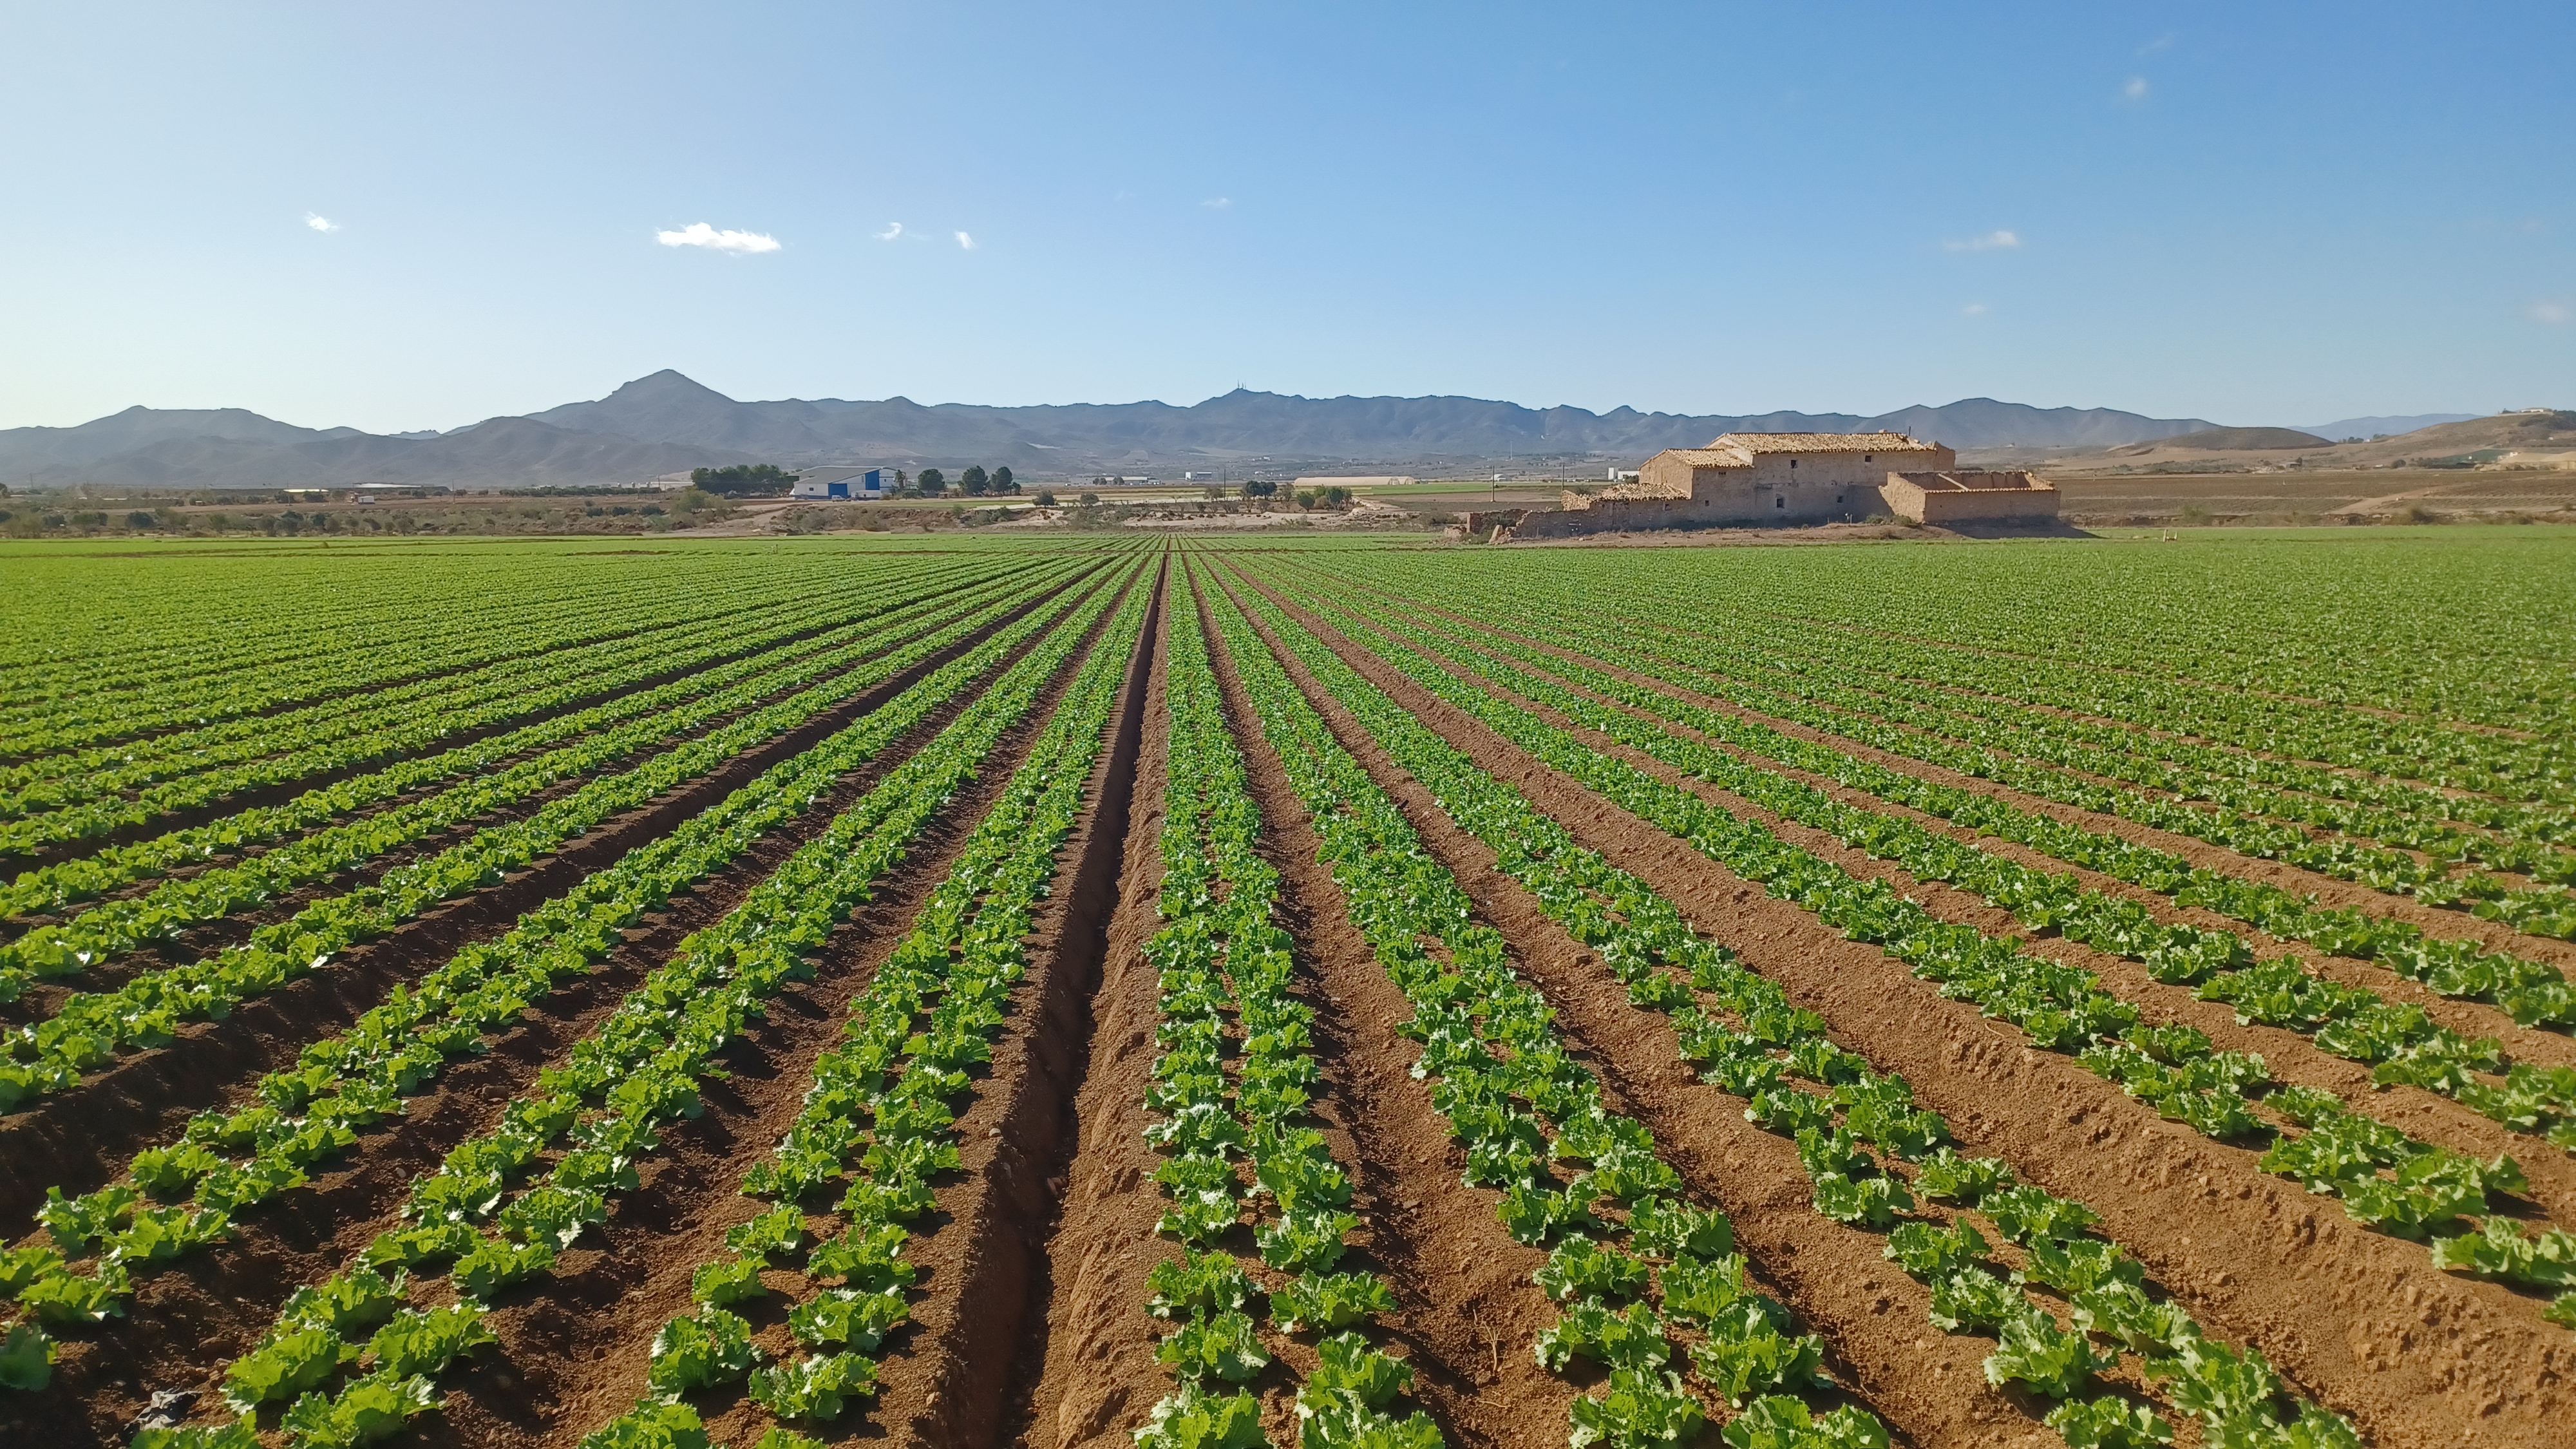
x,y
1714,456
1819,443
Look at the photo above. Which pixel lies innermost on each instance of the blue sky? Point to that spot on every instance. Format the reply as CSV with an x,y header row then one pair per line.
x,y
2253,213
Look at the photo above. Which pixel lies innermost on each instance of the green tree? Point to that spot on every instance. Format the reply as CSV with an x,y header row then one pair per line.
x,y
1003,482
975,480
742,479
1259,488
1046,500
932,482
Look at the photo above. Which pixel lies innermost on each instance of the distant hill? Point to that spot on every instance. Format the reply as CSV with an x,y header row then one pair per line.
x,y
504,452
2382,427
1241,425
2453,444
2216,440
667,423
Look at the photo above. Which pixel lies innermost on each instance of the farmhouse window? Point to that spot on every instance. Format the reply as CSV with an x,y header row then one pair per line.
x,y
1779,502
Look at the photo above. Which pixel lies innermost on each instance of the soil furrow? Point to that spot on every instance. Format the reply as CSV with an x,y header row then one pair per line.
x,y
2326,889
279,792
2469,1018
1087,1366
2293,1056
574,1347
2360,1321
76,1138
208,1309
1929,1386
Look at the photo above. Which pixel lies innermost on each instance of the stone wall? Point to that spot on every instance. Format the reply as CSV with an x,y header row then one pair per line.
x,y
1969,497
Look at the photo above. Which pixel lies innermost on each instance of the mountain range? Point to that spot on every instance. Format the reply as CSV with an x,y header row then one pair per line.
x,y
666,423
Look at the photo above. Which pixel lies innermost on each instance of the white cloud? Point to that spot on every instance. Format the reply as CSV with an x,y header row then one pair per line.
x,y
965,242
2136,89
2553,314
1217,203
320,223
700,234
893,230
1973,309
1993,241
2159,45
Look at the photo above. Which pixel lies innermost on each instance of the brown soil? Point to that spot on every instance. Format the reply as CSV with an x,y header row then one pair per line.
x,y
1929,1386
1092,1349
2358,1320
76,1138
207,938
2294,1057
279,792
574,1350
1469,1314
189,1320
79,1138
2472,1017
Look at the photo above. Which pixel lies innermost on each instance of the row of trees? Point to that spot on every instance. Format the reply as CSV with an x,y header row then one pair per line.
x,y
757,479
973,483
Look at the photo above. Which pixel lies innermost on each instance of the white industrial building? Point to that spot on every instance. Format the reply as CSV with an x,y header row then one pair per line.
x,y
854,485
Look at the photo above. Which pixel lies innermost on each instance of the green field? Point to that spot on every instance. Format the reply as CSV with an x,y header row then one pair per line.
x,y
1086,989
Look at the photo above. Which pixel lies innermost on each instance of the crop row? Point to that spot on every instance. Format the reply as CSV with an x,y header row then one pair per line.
x,y
882,1114
600,1113
1964,705
174,1199
430,654
2400,1042
2159,662
1757,1046
1635,1263
86,1031
113,628
1224,971
2252,819
87,795
2330,752
598,737
2219,632
2064,1008
56,888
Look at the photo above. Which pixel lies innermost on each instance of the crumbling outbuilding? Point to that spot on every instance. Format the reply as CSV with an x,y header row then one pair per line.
x,y
1966,496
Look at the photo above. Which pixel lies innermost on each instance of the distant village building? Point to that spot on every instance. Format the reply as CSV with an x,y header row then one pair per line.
x,y
1756,480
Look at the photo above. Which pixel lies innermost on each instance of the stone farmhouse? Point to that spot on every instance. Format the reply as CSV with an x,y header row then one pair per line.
x,y
1757,480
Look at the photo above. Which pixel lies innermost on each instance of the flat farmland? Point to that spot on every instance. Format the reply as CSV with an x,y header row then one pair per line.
x,y
1206,993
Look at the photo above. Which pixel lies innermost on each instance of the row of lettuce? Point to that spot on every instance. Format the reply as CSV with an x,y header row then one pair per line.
x,y
417,631
879,1122
2400,1041
1865,1143
77,803
2386,1179
1637,1266
88,1030
640,1062
279,849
